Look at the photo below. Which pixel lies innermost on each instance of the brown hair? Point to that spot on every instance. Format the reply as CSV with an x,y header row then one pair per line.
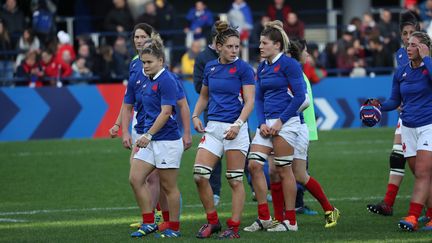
x,y
424,38
154,46
224,31
274,31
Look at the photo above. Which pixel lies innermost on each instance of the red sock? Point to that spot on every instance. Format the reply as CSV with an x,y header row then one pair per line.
x,y
429,213
174,225
212,218
234,225
316,190
390,196
165,216
263,211
291,216
415,209
278,200
148,218
158,208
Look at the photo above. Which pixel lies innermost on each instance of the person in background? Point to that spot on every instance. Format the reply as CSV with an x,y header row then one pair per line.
x,y
200,21
6,60
28,41
278,10
30,71
294,27
13,17
188,60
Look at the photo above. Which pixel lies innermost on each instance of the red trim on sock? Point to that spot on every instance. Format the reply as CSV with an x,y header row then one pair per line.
x,y
429,213
233,224
212,218
263,211
174,226
165,216
278,200
148,218
415,209
391,193
291,216
316,190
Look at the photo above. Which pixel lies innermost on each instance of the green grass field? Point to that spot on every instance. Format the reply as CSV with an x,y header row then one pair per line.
x,y
78,191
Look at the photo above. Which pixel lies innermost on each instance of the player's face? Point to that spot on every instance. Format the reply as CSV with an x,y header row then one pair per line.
x,y
406,34
268,48
140,37
151,64
412,49
229,51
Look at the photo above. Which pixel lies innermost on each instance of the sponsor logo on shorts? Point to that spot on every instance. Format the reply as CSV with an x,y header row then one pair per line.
x,y
404,147
425,143
202,139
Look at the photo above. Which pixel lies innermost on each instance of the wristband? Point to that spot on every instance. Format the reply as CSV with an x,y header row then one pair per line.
x,y
148,136
195,116
239,123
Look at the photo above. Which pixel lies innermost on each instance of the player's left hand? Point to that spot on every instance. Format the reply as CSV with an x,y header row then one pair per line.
x,y
276,127
232,131
113,131
187,141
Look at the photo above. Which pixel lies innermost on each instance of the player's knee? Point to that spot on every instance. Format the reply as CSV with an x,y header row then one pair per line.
x,y
234,177
283,161
257,157
397,161
201,173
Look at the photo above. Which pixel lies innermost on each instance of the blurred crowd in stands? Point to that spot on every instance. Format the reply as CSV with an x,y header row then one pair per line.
x,y
34,51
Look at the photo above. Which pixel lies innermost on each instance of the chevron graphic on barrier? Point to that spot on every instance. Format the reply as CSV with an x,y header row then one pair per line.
x,y
8,110
93,108
32,110
331,116
63,109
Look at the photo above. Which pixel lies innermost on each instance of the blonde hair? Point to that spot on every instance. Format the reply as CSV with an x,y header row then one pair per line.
x,y
154,46
275,32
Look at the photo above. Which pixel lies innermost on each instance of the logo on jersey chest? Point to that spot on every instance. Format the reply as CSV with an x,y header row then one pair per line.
x,y
233,70
276,69
155,87
425,72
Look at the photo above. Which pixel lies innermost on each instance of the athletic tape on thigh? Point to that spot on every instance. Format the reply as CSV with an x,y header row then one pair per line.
x,y
234,174
283,160
258,157
202,171
397,148
397,164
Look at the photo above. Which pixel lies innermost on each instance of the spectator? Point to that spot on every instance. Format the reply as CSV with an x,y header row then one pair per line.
x,y
6,60
49,67
121,58
425,9
389,30
356,26
13,18
81,70
294,27
84,51
119,19
30,70
328,57
63,46
381,56
43,21
149,16
240,15
313,70
27,42
165,19
369,28
200,21
278,10
105,67
188,60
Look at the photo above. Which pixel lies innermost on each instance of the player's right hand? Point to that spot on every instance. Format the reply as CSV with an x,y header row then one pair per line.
x,y
264,130
198,125
127,140
113,131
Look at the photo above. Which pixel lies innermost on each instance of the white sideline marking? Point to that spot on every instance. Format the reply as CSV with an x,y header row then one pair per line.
x,y
13,220
47,211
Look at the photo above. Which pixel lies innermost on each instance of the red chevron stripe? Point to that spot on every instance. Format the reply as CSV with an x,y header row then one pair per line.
x,y
113,95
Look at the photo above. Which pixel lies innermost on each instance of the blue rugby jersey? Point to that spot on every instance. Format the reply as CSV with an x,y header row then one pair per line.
x,y
401,57
133,96
135,67
162,90
413,88
273,99
225,83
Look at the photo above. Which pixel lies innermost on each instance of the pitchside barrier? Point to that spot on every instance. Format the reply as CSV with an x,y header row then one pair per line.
x,y
88,111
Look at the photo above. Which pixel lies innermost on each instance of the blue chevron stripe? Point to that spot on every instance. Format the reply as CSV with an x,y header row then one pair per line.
x,y
63,110
93,108
8,110
32,110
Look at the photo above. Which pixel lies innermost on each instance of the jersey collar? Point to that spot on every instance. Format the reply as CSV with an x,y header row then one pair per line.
x,y
275,58
158,74
229,62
